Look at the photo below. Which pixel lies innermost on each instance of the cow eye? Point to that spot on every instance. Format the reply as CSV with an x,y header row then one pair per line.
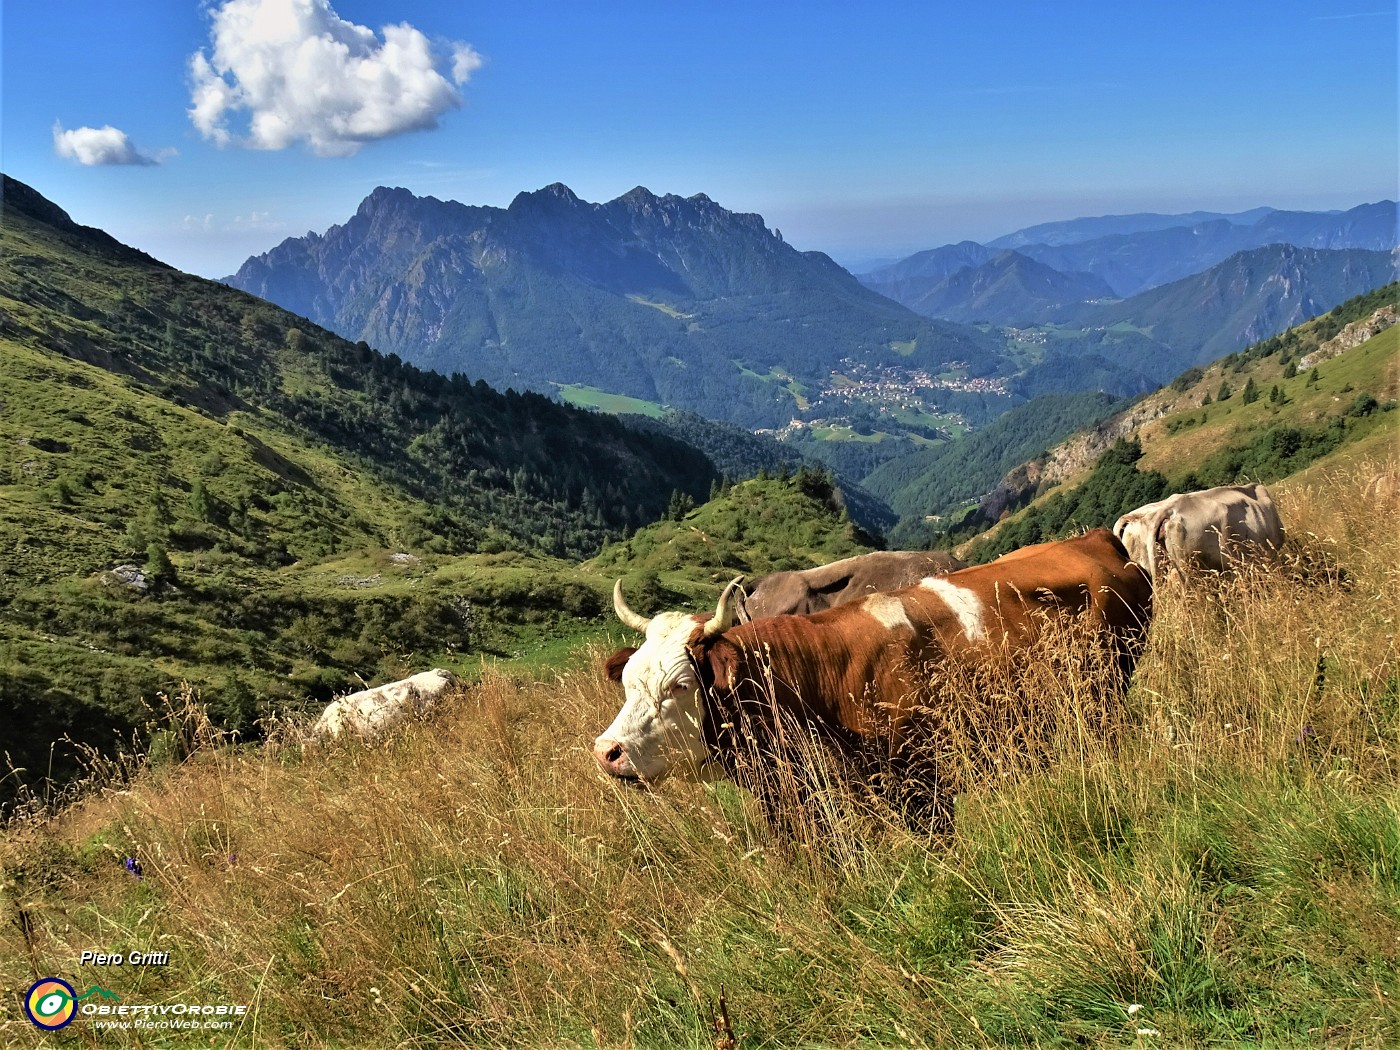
x,y
679,686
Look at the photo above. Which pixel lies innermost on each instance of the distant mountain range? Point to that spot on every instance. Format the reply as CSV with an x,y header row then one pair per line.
x,y
1124,303
646,301
1133,345
1133,253
1248,297
667,299
1133,263
1009,286
1073,231
909,279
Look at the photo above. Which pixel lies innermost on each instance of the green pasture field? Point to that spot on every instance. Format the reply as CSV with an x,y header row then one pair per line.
x,y
617,404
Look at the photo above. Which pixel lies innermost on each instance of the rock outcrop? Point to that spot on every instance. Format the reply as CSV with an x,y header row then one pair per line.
x,y
1352,335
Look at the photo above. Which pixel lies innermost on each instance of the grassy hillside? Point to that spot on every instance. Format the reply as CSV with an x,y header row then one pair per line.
x,y
752,528
273,570
739,453
1333,396
1216,862
83,654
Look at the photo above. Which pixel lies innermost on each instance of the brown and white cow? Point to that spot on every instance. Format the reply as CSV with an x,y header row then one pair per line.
x,y
804,591
861,669
371,714
1211,529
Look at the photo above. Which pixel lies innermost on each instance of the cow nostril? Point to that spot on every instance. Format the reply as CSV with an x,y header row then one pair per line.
x,y
615,753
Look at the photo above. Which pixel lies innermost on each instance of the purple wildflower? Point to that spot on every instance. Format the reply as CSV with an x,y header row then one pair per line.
x,y
134,866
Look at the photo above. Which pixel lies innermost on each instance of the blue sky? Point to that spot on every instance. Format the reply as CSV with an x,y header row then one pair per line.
x,y
204,131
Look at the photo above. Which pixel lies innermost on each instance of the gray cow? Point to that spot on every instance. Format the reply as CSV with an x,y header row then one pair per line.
x,y
804,591
1210,529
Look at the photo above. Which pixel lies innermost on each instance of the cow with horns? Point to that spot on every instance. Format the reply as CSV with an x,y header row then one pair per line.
x,y
857,674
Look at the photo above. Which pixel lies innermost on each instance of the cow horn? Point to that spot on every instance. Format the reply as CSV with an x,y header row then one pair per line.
x,y
724,616
626,615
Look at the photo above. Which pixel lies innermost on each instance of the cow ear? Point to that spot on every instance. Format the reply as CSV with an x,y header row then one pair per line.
x,y
722,663
613,665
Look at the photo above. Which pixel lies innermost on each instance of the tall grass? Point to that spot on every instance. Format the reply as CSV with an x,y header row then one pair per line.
x,y
1212,858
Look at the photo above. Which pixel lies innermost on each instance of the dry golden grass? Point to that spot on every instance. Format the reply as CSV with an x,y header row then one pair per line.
x,y
1221,847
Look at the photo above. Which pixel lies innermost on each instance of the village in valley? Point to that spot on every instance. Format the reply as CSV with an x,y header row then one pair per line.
x,y
888,390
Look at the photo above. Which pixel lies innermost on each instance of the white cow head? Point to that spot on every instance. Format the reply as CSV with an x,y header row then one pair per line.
x,y
660,729
1131,529
1137,531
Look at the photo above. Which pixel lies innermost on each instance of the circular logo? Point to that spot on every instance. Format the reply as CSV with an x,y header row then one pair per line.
x,y
51,1003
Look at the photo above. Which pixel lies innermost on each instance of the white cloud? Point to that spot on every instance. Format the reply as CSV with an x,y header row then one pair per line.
x,y
465,62
255,221
99,146
301,73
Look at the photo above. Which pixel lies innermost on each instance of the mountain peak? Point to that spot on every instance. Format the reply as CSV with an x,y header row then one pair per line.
x,y
383,197
639,295
547,198
639,195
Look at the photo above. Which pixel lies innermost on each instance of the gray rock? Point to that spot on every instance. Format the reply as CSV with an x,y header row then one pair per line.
x,y
128,576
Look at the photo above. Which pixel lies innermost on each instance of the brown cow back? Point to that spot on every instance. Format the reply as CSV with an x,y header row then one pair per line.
x,y
846,666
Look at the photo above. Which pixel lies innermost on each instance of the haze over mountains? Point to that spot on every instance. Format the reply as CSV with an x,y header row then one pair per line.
x,y
1006,285
1074,231
1124,303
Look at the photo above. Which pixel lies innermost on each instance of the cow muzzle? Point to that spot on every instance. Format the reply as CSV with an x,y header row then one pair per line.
x,y
614,760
